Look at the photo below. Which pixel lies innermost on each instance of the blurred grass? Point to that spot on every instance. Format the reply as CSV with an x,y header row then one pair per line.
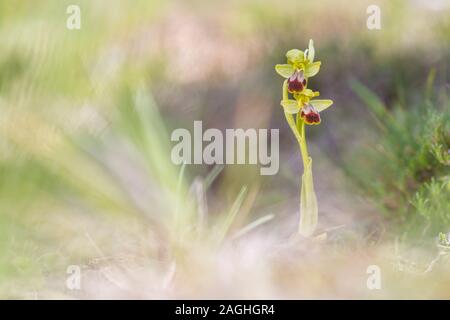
x,y
407,168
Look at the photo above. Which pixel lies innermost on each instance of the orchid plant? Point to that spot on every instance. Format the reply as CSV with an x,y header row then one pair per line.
x,y
300,101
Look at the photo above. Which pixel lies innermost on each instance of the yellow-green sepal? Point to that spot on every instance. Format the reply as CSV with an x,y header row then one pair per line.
x,y
295,56
290,106
321,104
312,69
284,70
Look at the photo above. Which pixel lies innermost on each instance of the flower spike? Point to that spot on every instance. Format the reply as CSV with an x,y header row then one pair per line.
x,y
299,67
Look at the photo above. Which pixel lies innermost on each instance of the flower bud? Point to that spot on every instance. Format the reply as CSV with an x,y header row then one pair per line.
x,y
296,82
310,115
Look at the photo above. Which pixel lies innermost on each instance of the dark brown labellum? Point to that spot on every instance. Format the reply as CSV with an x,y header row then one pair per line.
x,y
296,82
310,115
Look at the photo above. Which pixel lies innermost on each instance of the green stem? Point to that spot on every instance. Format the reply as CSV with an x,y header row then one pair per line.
x,y
298,128
302,143
290,120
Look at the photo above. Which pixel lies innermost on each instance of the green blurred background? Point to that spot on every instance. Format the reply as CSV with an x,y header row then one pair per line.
x,y
85,172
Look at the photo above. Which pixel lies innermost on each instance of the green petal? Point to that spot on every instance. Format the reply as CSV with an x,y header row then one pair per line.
x,y
308,203
295,56
290,106
311,51
284,70
321,105
312,69
308,93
